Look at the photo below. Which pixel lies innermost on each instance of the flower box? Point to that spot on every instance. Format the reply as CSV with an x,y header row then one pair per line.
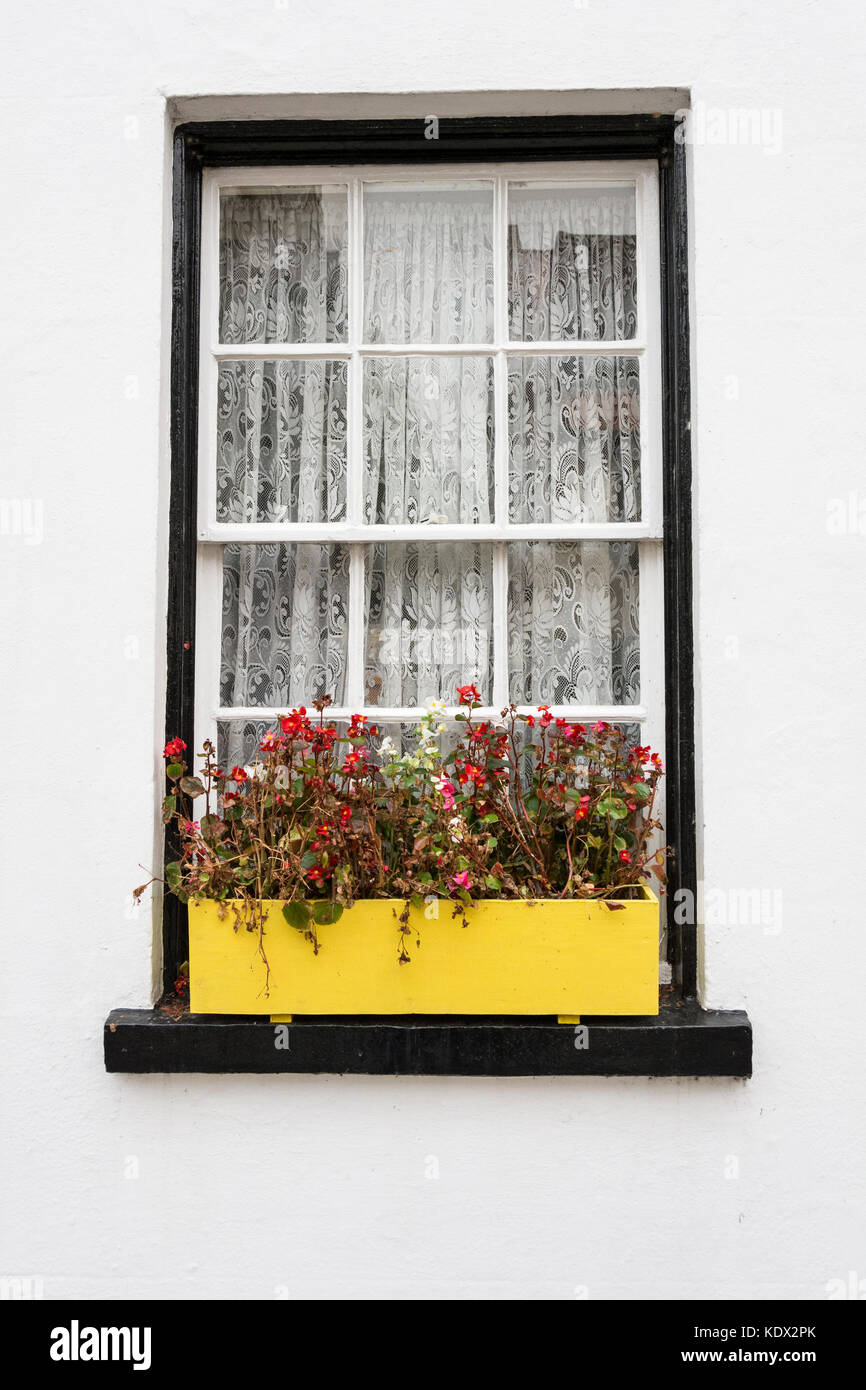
x,y
567,958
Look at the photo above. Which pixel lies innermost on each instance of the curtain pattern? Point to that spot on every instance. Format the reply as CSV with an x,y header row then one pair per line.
x,y
284,625
428,439
428,267
573,610
281,441
573,439
429,622
428,448
283,267
572,265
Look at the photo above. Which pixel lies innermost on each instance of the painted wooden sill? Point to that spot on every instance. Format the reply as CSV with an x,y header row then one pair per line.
x,y
681,1040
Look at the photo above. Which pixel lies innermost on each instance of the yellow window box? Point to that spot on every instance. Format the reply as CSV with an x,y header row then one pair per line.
x,y
567,958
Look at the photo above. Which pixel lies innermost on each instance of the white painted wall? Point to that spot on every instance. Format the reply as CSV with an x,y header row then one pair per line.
x,y
253,1186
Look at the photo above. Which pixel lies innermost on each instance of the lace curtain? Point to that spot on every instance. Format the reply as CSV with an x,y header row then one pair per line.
x,y
428,435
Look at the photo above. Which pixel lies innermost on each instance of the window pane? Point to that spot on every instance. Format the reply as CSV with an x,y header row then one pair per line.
x,y
428,439
428,265
572,267
281,441
573,611
238,742
574,439
429,622
284,626
283,266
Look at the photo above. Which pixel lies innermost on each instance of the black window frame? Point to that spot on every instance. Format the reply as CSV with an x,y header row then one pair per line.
x,y
223,144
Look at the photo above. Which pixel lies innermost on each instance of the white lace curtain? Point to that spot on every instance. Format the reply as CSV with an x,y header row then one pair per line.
x,y
428,445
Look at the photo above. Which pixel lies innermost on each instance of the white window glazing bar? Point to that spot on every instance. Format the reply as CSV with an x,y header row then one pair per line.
x,y
409,714
271,532
344,351
499,675
649,365
355,454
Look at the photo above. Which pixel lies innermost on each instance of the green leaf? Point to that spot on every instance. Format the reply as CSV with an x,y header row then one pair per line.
x,y
309,859
191,786
169,806
490,818
297,915
492,882
173,770
594,840
212,829
619,843
172,875
326,913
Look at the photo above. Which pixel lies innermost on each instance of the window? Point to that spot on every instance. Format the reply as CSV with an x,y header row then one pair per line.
x,y
430,444
285,338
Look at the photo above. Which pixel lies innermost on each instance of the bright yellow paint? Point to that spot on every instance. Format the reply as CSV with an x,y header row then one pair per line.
x,y
548,957
568,1018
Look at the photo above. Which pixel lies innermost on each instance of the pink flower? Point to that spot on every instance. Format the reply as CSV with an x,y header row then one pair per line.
x,y
445,789
460,880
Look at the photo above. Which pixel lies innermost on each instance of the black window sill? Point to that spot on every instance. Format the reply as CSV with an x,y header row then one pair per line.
x,y
683,1040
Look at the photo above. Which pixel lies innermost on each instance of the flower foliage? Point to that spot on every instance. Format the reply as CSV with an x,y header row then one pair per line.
x,y
530,806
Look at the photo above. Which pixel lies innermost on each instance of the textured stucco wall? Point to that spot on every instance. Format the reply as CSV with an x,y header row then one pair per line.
x,y
261,1187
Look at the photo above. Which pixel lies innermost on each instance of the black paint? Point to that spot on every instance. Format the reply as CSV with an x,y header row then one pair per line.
x,y
684,1040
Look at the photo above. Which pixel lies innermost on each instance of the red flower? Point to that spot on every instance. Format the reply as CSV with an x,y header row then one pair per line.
x,y
469,694
238,775
295,723
174,748
625,856
546,716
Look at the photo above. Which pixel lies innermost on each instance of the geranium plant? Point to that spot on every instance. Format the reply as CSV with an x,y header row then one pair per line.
x,y
532,806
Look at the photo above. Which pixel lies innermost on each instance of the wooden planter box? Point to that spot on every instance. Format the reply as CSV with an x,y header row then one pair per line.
x,y
543,957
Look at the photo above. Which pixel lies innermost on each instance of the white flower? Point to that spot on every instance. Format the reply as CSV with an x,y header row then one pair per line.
x,y
457,828
436,706
387,750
